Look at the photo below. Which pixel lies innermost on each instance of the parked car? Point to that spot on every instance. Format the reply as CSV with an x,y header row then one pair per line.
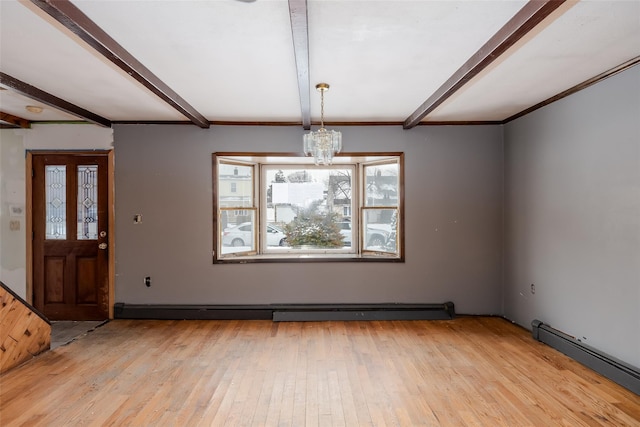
x,y
242,235
376,235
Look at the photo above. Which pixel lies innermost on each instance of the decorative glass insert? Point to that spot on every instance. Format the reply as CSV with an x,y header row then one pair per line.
x,y
56,202
88,202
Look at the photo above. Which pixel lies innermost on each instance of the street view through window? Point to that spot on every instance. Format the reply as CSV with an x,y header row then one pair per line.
x,y
282,207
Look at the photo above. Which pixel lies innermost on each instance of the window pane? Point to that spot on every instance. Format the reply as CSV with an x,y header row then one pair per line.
x,y
308,204
381,185
238,231
235,185
381,227
56,202
88,202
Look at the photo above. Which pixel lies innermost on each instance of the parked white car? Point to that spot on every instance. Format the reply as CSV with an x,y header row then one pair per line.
x,y
242,235
376,235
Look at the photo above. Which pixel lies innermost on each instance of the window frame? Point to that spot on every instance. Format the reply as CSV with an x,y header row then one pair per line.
x,y
260,252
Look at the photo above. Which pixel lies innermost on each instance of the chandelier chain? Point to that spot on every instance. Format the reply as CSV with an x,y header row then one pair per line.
x,y
322,109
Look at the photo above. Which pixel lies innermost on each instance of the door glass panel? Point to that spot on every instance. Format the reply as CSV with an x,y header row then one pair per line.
x,y
88,202
56,202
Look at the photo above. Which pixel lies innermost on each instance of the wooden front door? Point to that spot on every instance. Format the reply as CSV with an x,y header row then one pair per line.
x,y
70,247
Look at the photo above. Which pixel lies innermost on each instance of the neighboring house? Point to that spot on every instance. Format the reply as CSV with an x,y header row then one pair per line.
x,y
235,188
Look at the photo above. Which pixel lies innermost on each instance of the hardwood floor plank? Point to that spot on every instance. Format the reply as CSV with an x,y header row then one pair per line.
x,y
300,386
470,371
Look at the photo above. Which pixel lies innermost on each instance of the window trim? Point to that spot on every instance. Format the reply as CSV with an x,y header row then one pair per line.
x,y
259,255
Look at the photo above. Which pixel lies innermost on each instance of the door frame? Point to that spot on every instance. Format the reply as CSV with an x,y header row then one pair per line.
x,y
110,212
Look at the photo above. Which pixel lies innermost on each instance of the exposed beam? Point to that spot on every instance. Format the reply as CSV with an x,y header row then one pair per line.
x,y
14,121
527,18
76,21
300,33
600,77
51,100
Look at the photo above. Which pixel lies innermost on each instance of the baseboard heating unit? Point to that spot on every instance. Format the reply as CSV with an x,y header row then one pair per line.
x,y
287,312
622,373
316,312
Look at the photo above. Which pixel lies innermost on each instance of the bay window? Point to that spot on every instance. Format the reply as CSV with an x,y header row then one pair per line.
x,y
285,208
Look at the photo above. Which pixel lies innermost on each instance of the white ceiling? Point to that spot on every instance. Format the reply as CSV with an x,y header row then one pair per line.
x,y
234,61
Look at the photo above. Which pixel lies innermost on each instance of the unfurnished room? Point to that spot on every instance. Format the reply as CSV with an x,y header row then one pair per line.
x,y
320,213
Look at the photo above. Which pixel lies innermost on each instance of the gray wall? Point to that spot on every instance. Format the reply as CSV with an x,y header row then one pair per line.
x,y
454,200
13,144
572,215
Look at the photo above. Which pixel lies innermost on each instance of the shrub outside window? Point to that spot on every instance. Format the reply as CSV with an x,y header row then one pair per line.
x,y
285,208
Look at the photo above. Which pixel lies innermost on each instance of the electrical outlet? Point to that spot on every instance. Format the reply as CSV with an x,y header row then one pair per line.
x,y
147,281
533,288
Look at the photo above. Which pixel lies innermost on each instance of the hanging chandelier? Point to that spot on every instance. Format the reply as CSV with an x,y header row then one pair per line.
x,y
322,144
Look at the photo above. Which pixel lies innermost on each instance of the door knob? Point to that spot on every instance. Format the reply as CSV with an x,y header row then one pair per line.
x,y
102,246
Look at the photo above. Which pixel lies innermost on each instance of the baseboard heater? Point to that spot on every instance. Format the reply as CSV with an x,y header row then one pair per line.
x,y
622,373
287,312
309,313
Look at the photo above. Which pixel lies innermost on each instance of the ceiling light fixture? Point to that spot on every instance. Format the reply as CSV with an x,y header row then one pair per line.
x,y
34,109
322,144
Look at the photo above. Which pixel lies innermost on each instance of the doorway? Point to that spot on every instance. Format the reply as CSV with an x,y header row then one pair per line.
x,y
71,211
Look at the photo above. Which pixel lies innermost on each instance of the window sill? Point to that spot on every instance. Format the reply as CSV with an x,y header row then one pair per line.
x,y
303,258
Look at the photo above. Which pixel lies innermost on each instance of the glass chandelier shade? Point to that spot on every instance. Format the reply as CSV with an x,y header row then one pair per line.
x,y
322,144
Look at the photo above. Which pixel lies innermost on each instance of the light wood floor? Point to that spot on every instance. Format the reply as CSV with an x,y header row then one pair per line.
x,y
472,371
